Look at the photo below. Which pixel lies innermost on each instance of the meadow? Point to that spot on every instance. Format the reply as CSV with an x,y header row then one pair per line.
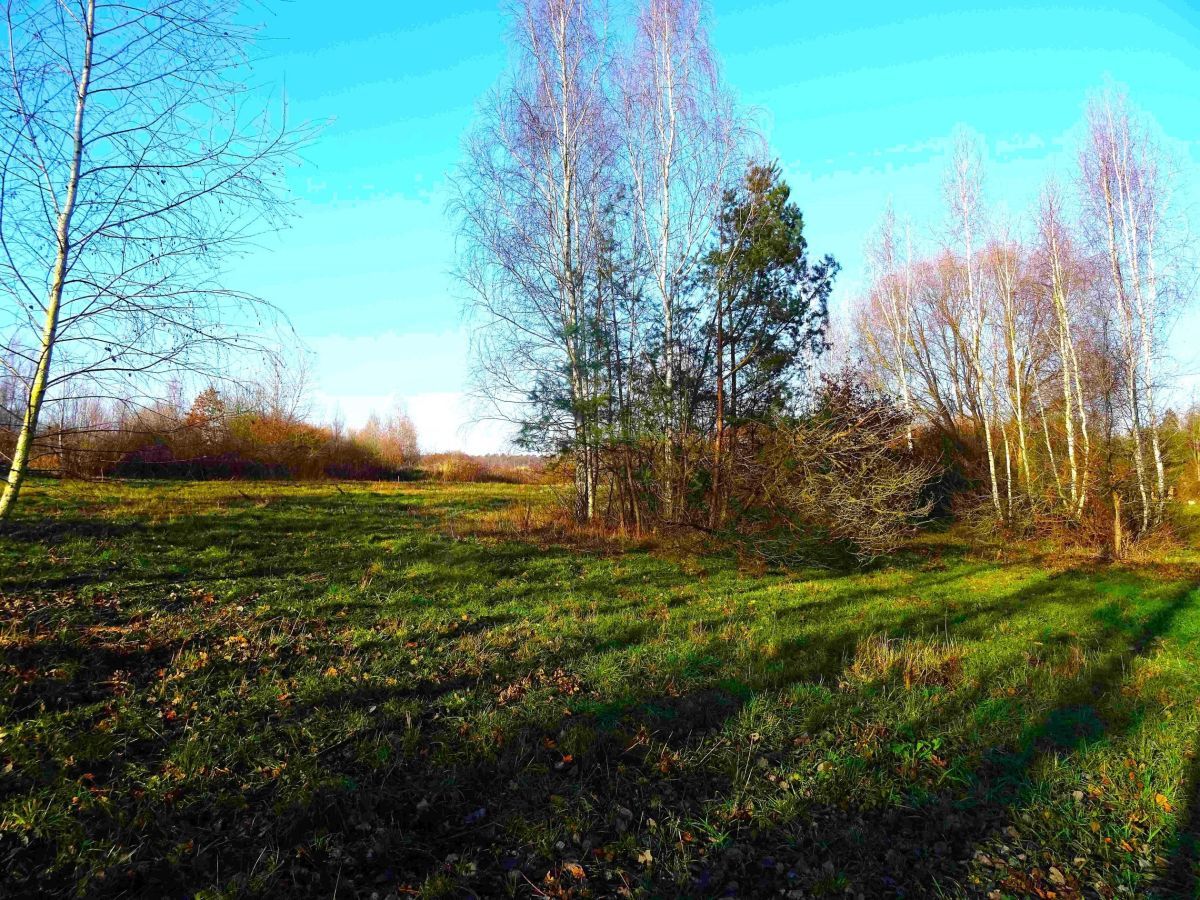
x,y
387,690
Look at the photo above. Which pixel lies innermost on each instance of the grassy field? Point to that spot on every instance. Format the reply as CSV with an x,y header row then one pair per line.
x,y
226,690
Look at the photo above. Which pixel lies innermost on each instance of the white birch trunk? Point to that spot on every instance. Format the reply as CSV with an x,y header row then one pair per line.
x,y
37,388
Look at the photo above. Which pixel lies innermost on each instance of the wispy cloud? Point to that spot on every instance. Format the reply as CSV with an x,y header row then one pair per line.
x,y
1020,143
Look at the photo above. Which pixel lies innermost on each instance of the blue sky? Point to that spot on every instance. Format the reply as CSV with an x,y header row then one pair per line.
x,y
859,101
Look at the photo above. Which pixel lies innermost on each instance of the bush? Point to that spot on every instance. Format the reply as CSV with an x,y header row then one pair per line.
x,y
458,467
838,478
213,439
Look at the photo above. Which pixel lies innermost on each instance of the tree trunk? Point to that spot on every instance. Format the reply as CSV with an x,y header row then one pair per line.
x,y
1008,479
1139,457
1084,433
1118,536
41,377
716,514
1068,417
991,454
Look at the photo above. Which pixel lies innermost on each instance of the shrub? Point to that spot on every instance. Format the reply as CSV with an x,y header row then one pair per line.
x,y
215,439
499,468
840,477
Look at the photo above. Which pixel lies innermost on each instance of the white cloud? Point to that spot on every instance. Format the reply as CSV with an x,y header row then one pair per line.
x,y
445,420
1020,143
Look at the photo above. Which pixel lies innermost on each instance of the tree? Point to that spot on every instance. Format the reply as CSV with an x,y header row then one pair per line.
x,y
135,161
892,299
1016,321
682,137
770,309
208,417
1126,196
529,201
963,186
1058,253
1046,345
391,438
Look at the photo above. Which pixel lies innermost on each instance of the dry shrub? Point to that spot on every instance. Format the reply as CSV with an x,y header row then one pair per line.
x,y
1154,545
457,468
915,662
1094,531
839,478
547,523
216,437
462,468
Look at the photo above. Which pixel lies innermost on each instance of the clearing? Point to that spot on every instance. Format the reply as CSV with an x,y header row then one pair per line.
x,y
323,690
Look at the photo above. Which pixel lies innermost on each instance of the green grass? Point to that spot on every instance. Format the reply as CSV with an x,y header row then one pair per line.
x,y
309,690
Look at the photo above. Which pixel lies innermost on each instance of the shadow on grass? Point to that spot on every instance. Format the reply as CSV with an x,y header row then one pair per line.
x,y
383,787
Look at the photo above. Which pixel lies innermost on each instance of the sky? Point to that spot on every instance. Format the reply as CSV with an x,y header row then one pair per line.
x,y
859,102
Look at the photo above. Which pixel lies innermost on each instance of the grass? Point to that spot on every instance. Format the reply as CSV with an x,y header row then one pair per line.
x,y
224,690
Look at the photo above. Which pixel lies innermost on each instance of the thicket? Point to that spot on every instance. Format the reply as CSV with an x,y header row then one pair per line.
x,y
1033,351
218,436
650,309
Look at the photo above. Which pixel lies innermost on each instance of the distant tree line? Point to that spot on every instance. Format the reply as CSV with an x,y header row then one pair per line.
x,y
259,429
1031,356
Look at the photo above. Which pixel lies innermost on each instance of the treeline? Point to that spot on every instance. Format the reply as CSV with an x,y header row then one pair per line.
x,y
1032,355
648,303
245,432
261,429
650,309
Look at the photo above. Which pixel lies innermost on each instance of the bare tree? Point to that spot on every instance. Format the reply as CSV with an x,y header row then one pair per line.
x,y
893,301
528,199
933,360
281,388
135,160
963,188
1065,297
1017,323
1126,195
392,437
1051,344
682,139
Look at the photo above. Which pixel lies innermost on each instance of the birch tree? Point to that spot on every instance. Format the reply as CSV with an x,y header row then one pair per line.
x,y
1057,253
134,160
681,142
529,201
893,289
1126,196
1005,262
963,187
1051,343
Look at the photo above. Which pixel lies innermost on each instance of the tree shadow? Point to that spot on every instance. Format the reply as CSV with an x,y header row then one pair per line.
x,y
390,786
